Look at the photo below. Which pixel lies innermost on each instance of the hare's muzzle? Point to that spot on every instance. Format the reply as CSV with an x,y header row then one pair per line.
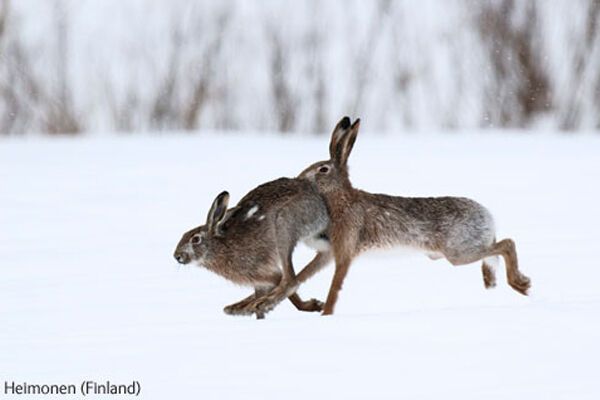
x,y
181,258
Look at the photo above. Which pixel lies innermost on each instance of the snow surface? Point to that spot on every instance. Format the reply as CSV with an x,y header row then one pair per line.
x,y
89,288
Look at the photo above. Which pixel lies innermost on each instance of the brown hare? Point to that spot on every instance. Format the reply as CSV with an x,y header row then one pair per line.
x,y
455,228
248,243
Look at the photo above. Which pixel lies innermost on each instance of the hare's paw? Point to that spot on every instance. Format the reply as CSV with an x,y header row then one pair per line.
x,y
248,308
312,305
267,303
263,306
521,284
238,309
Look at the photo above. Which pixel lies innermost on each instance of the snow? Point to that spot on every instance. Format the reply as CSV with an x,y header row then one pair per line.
x,y
90,290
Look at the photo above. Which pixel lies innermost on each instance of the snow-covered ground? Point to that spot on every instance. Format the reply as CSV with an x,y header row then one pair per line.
x,y
89,288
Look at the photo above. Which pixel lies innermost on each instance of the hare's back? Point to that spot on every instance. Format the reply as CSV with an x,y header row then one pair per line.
x,y
274,193
295,199
429,222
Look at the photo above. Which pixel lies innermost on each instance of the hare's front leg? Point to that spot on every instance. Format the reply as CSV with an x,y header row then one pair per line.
x,y
240,307
341,270
264,304
243,307
344,241
317,264
287,285
286,288
272,299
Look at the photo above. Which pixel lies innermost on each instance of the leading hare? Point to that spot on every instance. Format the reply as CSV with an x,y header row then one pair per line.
x,y
458,229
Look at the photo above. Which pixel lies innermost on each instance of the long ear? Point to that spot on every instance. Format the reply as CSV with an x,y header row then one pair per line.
x,y
347,143
217,211
336,137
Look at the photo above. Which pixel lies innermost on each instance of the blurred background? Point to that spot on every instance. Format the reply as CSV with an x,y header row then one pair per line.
x,y
89,66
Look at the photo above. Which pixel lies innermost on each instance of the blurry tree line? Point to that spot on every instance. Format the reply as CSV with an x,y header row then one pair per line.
x,y
70,66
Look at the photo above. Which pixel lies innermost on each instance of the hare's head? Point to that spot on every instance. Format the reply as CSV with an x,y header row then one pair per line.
x,y
196,245
332,174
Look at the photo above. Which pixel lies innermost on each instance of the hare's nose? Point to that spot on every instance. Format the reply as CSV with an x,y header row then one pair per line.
x,y
180,258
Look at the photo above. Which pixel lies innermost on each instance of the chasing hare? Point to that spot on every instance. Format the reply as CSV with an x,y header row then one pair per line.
x,y
248,243
455,228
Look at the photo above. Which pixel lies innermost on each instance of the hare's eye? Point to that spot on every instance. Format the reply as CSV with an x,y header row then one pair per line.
x,y
195,239
324,169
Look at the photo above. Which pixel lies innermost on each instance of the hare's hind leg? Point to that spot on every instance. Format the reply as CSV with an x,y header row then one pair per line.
x,y
516,280
288,284
238,308
488,269
317,264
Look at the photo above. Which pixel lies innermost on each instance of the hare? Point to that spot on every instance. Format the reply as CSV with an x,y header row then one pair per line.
x,y
247,243
455,228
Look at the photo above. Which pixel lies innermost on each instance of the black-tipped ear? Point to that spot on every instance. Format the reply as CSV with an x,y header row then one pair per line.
x,y
347,143
217,211
336,136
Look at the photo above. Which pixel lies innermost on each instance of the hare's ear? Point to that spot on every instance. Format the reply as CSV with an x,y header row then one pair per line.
x,y
347,143
336,137
217,212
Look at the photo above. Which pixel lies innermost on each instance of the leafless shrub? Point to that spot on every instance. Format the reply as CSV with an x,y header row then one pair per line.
x,y
124,112
583,66
185,89
165,113
284,101
200,82
31,100
3,17
18,89
61,116
314,75
197,74
519,88
364,54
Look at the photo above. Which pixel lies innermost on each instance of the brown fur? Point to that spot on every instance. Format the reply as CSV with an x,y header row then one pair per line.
x,y
489,277
455,228
248,243
506,248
